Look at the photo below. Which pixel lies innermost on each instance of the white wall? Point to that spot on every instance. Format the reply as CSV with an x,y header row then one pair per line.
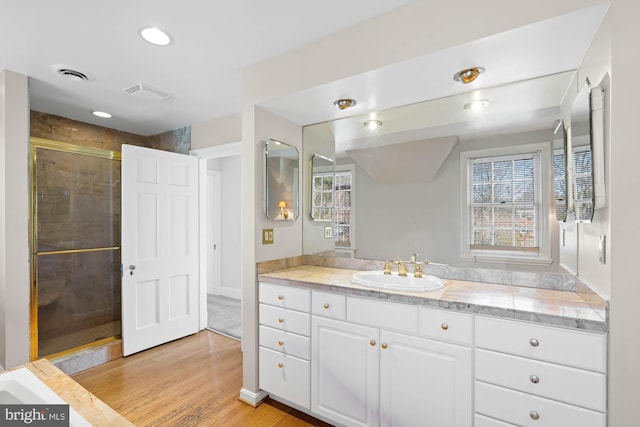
x,y
287,235
223,130
14,219
403,34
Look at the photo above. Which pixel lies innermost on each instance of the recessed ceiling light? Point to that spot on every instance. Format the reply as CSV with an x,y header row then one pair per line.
x,y
468,75
155,36
372,124
344,103
102,114
477,105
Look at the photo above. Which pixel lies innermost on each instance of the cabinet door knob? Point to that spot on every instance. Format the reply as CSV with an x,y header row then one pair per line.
x,y
534,379
534,342
372,342
444,326
280,343
534,415
326,306
280,365
280,297
383,345
280,320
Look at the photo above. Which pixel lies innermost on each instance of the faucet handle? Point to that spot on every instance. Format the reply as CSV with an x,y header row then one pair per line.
x,y
417,270
387,267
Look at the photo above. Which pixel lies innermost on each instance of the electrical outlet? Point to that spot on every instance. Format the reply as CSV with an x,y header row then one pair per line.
x,y
267,236
327,232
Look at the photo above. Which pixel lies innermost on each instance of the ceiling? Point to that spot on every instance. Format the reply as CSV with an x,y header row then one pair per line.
x,y
548,47
201,69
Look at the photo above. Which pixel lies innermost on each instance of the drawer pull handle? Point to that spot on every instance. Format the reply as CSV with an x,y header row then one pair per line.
x,y
280,365
534,379
280,297
280,320
534,415
326,306
280,343
372,342
444,326
383,345
534,342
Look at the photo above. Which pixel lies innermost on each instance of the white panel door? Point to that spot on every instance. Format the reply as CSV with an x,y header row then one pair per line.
x,y
160,284
344,372
424,382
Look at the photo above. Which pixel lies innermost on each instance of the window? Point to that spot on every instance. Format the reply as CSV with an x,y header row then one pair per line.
x,y
559,183
504,212
322,196
582,182
343,225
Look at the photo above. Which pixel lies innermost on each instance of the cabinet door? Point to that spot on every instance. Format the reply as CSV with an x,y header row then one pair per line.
x,y
344,372
424,382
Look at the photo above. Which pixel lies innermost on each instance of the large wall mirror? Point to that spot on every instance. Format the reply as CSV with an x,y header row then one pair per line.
x,y
582,155
560,175
281,181
406,181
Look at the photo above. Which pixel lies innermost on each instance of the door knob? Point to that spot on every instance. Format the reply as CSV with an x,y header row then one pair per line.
x,y
131,268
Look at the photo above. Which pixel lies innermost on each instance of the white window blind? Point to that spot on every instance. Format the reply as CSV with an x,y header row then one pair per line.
x,y
559,183
504,204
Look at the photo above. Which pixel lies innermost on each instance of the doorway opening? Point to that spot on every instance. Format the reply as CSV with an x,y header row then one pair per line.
x,y
220,170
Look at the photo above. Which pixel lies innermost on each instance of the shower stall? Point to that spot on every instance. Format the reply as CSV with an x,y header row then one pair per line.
x,y
75,232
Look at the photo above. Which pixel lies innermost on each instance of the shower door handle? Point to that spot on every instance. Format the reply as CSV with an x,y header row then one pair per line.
x,y
131,268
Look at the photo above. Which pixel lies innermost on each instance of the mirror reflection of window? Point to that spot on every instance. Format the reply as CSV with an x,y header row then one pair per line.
x,y
343,224
322,183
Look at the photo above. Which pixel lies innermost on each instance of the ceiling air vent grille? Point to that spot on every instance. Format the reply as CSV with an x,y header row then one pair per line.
x,y
143,90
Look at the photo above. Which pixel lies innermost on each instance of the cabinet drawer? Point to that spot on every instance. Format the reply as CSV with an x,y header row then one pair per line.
x,y
522,409
482,421
285,376
285,320
285,342
446,325
329,305
569,347
570,385
285,296
383,314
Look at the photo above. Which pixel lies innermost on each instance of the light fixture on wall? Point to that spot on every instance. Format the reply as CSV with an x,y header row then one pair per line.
x,y
468,75
283,209
477,104
344,103
155,36
372,124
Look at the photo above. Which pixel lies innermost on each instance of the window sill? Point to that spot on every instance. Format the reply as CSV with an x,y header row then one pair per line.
x,y
507,260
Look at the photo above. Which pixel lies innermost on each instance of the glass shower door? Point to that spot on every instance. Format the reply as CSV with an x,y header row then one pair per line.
x,y
76,247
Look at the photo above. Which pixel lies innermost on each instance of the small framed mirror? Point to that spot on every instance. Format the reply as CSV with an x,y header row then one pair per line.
x,y
560,176
322,188
582,152
281,181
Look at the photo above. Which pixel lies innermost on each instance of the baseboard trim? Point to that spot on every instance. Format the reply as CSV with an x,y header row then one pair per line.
x,y
251,398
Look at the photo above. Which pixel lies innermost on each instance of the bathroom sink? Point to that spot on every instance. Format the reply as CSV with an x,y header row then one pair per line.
x,y
22,387
376,279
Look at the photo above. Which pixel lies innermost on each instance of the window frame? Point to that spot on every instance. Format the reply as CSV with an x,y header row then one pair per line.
x,y
544,196
352,216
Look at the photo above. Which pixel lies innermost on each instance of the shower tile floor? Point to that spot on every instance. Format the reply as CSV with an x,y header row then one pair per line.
x,y
76,339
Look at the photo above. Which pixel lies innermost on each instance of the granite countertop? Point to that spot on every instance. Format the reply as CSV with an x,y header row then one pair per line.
x,y
92,409
553,307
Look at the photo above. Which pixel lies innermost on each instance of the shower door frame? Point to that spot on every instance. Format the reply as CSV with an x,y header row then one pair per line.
x,y
34,145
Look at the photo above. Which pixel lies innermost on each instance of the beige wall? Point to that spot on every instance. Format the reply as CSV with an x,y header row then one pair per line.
x,y
14,217
218,131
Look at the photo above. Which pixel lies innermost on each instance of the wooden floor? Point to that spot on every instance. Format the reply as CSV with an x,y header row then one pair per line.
x,y
194,381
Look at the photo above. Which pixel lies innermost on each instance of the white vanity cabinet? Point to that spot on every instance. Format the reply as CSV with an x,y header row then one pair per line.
x,y
374,369
284,343
536,375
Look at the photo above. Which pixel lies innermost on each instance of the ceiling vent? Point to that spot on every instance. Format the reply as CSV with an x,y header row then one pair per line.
x,y
143,90
71,73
